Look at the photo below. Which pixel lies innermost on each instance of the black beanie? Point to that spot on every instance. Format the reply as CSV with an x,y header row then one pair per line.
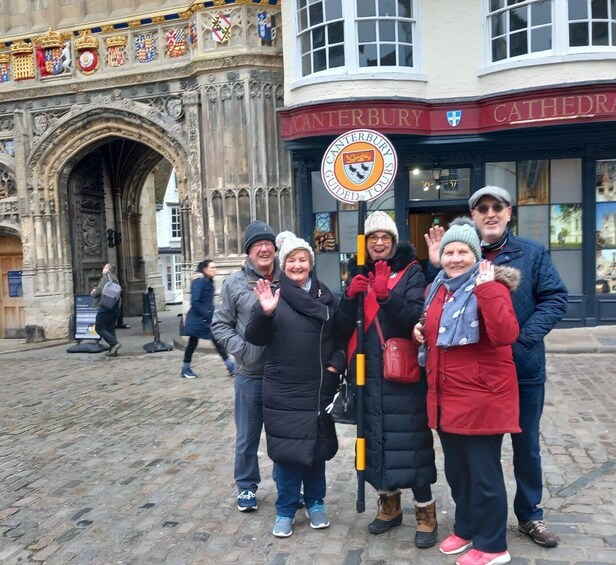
x,y
258,231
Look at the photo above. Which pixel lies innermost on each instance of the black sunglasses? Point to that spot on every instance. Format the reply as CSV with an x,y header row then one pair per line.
x,y
483,208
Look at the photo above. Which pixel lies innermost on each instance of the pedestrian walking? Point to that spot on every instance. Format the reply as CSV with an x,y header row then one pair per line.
x,y
302,364
540,302
106,318
473,400
228,327
199,318
399,444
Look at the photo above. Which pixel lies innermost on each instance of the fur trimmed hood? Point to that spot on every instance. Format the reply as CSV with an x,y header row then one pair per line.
x,y
509,276
403,255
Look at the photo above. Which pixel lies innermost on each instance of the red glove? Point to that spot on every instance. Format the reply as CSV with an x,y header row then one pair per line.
x,y
379,279
358,284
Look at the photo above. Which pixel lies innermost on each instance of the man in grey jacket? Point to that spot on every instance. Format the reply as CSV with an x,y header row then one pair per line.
x,y
228,327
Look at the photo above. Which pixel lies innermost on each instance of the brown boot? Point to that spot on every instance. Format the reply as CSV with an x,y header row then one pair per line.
x,y
427,528
389,515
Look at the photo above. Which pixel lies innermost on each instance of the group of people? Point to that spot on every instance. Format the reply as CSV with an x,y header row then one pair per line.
x,y
479,324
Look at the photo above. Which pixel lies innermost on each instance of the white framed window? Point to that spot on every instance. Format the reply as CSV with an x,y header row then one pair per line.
x,y
350,36
176,230
592,23
519,28
527,30
177,271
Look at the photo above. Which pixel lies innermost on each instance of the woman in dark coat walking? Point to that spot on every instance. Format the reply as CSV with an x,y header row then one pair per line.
x,y
295,324
399,443
199,317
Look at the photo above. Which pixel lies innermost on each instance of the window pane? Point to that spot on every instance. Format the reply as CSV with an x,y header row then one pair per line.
x,y
405,55
541,39
333,10
365,8
405,9
541,13
366,31
367,56
306,68
303,19
499,49
387,7
336,56
387,31
335,33
318,37
599,9
613,34
498,24
518,44
304,41
578,9
405,32
578,34
274,215
600,33
496,5
316,14
318,61
518,19
388,54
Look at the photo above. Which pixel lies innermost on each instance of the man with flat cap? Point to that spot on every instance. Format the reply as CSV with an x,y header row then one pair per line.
x,y
540,302
228,327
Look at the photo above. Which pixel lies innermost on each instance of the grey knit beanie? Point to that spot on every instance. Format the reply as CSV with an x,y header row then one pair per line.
x,y
381,221
463,230
257,231
292,243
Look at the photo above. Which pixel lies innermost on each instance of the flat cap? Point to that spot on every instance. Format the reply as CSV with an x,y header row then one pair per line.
x,y
494,191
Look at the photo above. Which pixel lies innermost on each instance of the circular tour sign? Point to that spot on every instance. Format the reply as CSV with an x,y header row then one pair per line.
x,y
360,165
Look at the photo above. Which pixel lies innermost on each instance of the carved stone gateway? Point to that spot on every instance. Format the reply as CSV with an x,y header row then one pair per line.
x,y
77,150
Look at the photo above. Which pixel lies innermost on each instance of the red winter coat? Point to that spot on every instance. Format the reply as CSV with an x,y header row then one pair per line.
x,y
473,389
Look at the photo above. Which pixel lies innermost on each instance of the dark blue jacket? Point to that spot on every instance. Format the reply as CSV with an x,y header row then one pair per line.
x,y
199,316
540,302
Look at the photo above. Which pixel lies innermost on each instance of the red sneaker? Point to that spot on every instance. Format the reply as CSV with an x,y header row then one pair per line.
x,y
476,557
454,544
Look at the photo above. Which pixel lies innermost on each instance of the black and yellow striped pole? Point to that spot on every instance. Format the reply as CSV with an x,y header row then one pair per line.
x,y
360,370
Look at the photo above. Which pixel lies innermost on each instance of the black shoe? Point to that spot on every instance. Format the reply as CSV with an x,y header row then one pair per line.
x,y
378,526
113,351
426,539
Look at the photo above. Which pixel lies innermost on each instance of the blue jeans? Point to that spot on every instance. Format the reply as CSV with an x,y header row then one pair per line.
x,y
527,456
248,426
289,480
475,476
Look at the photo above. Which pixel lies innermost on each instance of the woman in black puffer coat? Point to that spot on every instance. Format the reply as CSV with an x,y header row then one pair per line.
x,y
295,324
399,443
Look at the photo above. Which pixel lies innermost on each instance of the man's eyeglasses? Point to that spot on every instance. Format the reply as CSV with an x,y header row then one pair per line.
x,y
483,208
265,243
373,238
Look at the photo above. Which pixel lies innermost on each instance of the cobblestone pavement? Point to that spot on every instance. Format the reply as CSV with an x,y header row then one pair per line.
x,y
114,461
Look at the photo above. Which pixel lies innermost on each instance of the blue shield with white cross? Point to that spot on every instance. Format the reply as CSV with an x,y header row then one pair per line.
x,y
454,117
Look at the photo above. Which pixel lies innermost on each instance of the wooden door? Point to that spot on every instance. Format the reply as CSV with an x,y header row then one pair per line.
x,y
12,312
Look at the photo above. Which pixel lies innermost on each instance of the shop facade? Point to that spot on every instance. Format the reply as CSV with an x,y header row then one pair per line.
x,y
553,149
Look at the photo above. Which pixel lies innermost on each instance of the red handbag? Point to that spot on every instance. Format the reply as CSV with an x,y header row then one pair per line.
x,y
399,358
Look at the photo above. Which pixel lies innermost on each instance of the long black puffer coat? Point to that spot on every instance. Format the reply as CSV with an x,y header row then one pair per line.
x,y
399,444
299,345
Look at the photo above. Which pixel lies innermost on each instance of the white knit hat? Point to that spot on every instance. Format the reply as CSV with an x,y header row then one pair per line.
x,y
381,221
282,236
290,243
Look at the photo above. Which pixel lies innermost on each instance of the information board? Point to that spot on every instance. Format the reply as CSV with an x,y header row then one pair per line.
x,y
15,287
85,317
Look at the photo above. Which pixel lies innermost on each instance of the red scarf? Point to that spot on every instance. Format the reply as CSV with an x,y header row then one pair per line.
x,y
371,309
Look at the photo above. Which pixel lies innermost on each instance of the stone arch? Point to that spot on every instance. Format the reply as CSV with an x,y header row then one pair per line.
x,y
47,245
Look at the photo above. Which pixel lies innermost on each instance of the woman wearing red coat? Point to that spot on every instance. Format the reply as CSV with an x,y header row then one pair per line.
x,y
469,327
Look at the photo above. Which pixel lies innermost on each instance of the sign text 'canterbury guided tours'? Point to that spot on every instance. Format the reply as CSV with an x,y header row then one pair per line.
x,y
360,165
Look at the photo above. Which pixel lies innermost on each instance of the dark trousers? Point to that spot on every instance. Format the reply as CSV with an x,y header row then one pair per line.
x,y
289,480
192,345
475,476
248,426
105,325
526,455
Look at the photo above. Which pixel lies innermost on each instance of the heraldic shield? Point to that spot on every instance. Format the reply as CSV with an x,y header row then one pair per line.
x,y
358,165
